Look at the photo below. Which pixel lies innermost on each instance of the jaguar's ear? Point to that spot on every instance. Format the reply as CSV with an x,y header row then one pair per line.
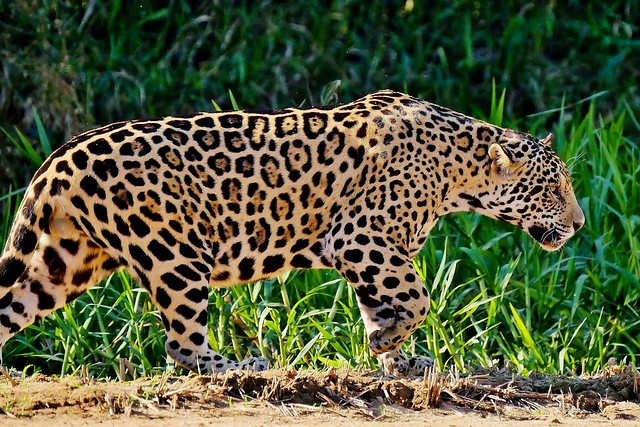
x,y
500,160
548,140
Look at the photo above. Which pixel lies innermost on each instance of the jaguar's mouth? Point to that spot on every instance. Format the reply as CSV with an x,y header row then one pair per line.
x,y
549,239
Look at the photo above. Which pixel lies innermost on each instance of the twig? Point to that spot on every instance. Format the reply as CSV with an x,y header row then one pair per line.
x,y
13,382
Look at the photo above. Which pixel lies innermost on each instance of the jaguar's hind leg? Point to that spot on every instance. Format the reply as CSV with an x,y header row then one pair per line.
x,y
181,294
60,270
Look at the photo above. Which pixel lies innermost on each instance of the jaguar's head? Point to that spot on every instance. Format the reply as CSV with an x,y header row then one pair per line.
x,y
533,189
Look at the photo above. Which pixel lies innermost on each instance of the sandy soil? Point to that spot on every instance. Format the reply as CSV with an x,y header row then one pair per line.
x,y
339,398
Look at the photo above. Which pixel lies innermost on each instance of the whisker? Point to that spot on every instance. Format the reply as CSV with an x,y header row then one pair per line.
x,y
573,161
546,235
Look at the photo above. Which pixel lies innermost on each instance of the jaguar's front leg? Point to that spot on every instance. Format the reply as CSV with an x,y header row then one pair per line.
x,y
392,299
396,363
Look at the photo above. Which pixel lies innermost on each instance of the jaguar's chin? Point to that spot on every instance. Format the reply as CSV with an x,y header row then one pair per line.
x,y
549,239
552,246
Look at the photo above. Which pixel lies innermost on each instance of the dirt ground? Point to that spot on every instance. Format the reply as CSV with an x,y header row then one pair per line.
x,y
339,398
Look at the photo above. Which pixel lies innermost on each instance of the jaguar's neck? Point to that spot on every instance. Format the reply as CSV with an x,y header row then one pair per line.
x,y
423,152
449,151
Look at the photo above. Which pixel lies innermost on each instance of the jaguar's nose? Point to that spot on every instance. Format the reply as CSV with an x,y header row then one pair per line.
x,y
577,225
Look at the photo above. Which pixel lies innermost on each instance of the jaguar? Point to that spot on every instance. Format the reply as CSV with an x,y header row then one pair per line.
x,y
219,199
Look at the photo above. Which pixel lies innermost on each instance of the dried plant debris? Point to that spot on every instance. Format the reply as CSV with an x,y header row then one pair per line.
x,y
292,393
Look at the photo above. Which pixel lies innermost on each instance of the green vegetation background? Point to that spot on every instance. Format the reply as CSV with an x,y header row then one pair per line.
x,y
568,67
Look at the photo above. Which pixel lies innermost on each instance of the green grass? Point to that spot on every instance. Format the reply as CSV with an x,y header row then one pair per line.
x,y
570,68
497,297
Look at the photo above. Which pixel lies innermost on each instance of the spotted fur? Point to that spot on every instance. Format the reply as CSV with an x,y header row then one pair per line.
x,y
218,199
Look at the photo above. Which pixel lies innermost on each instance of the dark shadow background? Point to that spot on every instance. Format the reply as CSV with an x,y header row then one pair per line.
x,y
84,64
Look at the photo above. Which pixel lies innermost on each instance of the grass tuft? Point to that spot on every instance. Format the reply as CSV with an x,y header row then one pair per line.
x,y
496,298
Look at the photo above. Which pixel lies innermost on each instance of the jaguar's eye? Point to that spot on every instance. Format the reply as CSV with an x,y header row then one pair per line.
x,y
556,193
